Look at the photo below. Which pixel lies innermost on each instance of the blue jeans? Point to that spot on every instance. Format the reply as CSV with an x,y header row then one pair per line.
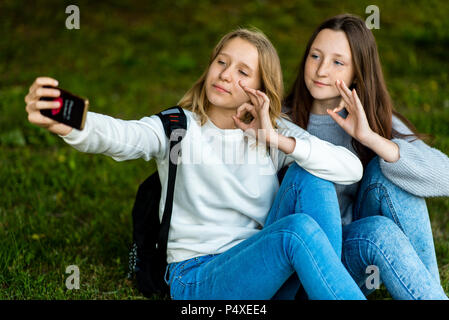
x,y
302,236
391,230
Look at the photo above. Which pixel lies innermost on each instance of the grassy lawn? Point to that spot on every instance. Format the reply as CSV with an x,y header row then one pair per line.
x,y
59,207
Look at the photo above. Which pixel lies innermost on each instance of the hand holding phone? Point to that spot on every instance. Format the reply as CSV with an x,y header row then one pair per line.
x,y
72,109
47,89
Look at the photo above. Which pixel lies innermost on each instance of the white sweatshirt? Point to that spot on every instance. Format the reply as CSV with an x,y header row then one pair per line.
x,y
225,183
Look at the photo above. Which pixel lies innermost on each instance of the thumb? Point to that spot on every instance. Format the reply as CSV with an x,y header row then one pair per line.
x,y
239,123
340,106
337,118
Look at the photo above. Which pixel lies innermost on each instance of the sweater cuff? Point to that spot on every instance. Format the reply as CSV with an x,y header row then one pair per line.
x,y
77,136
301,153
401,163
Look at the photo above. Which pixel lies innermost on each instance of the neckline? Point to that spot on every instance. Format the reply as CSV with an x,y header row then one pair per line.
x,y
212,125
325,118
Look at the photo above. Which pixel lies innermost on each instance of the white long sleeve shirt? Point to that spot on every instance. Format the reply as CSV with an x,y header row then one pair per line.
x,y
225,182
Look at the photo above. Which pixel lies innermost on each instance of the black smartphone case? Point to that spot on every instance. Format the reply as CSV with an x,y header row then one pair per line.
x,y
72,111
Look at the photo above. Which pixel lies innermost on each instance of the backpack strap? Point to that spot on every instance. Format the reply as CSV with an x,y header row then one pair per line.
x,y
172,119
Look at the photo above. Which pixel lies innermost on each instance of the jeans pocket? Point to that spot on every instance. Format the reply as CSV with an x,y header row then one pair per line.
x,y
187,272
174,272
177,270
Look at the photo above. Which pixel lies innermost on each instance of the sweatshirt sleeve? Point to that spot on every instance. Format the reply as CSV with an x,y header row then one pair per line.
x,y
120,139
421,170
321,158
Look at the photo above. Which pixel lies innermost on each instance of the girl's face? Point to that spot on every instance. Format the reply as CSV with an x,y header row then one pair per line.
x,y
237,61
329,59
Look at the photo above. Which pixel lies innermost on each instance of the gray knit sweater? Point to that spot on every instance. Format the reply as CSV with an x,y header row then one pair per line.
x,y
421,170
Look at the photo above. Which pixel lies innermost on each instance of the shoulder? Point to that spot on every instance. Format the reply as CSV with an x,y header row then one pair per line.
x,y
399,125
284,122
192,118
155,120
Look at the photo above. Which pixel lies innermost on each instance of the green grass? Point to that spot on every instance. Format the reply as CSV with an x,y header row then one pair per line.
x,y
59,207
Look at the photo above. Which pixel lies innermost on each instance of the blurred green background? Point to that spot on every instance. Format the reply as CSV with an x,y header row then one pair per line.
x,y
59,207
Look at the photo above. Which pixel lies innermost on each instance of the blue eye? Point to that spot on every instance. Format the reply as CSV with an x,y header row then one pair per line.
x,y
314,56
338,63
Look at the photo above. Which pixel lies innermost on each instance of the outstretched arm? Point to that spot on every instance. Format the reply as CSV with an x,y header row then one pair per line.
x,y
119,139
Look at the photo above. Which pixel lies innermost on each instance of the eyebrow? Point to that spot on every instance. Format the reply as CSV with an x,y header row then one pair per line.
x,y
335,54
240,62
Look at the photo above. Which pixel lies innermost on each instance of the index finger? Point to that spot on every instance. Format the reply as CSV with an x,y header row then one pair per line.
x,y
344,95
43,81
252,94
263,95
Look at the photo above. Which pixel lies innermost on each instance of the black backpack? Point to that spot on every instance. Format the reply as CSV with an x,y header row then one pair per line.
x,y
148,254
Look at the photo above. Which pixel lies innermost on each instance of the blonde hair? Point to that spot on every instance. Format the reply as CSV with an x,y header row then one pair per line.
x,y
195,98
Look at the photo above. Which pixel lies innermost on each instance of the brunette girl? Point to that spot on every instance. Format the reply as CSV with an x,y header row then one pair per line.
x,y
340,96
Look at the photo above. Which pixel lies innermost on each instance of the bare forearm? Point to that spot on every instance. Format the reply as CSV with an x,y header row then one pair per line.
x,y
384,148
283,143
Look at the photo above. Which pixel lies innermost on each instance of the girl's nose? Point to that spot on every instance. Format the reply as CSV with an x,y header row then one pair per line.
x,y
322,70
225,75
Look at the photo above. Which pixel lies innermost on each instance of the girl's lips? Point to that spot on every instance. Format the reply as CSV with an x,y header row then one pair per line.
x,y
320,84
220,88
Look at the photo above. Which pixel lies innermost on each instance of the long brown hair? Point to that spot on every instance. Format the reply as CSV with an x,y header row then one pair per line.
x,y
368,81
195,98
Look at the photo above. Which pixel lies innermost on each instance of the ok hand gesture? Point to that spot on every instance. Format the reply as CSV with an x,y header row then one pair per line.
x,y
356,124
260,126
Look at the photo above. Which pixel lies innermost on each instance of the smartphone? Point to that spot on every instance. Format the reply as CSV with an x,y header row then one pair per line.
x,y
72,109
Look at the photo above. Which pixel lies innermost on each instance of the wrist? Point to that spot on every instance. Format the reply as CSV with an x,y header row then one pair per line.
x,y
370,139
61,129
271,137
384,148
282,143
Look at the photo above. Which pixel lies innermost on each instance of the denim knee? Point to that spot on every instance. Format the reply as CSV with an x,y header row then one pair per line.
x,y
303,176
297,227
378,195
376,229
373,173
301,224
373,176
